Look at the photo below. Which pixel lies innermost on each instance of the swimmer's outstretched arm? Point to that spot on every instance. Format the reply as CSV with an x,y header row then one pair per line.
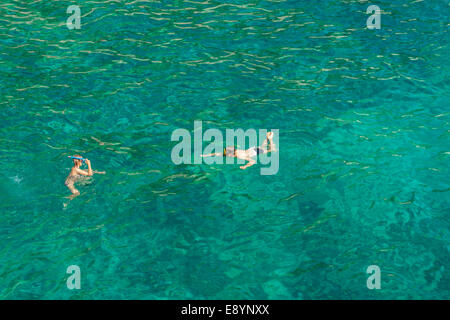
x,y
216,154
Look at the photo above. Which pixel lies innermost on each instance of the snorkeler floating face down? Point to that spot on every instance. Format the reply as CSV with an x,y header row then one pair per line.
x,y
267,146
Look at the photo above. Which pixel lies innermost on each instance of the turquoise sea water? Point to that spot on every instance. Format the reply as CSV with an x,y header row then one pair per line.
x,y
364,149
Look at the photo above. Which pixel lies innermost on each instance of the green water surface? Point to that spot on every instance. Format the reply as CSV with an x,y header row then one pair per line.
x,y
364,149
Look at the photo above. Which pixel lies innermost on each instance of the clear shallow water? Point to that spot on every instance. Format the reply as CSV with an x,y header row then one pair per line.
x,y
364,159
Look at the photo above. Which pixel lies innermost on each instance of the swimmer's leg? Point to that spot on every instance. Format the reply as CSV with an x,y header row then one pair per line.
x,y
72,189
269,139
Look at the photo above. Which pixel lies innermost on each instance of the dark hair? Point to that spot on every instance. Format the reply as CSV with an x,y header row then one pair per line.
x,y
229,151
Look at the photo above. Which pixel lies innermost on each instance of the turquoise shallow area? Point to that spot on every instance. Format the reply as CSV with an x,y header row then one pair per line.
x,y
364,149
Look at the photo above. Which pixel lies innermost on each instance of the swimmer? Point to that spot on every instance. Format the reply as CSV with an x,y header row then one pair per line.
x,y
249,153
76,172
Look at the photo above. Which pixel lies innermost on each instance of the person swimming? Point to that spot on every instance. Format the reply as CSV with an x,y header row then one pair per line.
x,y
76,172
249,153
